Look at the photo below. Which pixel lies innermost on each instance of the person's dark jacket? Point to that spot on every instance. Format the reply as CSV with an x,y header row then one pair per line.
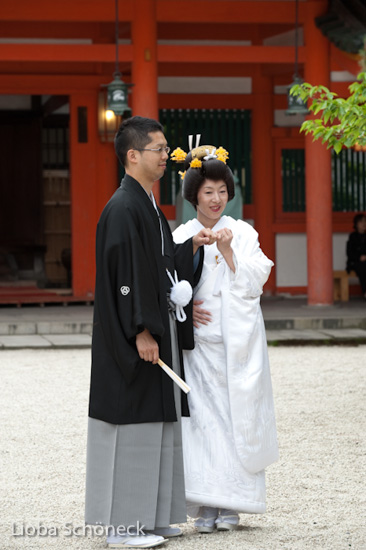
x,y
130,295
356,247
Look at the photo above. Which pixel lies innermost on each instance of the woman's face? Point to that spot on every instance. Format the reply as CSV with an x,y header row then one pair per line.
x,y
212,198
361,225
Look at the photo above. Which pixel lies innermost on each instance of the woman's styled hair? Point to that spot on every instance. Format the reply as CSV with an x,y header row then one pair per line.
x,y
133,133
358,218
211,169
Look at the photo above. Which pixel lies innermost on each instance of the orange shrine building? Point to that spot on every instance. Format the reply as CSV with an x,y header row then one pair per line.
x,y
219,68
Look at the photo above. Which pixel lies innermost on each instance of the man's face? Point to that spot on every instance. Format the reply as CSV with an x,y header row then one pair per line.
x,y
152,164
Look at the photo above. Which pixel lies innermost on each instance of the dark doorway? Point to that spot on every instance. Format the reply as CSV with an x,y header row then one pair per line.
x,y
21,224
35,232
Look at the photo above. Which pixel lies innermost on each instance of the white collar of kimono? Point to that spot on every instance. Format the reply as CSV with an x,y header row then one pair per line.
x,y
219,225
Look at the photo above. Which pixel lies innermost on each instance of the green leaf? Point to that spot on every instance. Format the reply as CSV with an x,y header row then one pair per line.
x,y
338,147
316,108
329,133
326,116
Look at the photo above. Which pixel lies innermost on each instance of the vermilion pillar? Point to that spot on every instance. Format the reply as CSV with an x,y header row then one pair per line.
x,y
144,66
84,185
318,173
107,173
262,169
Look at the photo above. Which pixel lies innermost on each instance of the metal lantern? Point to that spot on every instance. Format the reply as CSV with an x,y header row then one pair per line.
x,y
296,106
117,90
117,95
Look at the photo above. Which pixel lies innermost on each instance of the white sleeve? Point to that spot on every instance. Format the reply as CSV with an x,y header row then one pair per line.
x,y
252,267
180,234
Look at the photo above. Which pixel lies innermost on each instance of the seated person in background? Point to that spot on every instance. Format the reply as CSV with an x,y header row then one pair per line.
x,y
356,250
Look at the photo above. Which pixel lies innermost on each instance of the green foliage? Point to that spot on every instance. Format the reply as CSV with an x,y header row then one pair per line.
x,y
342,122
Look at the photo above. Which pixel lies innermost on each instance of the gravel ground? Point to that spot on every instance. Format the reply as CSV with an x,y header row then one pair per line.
x,y
316,491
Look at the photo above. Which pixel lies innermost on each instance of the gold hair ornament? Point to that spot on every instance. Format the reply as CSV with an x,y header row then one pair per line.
x,y
178,155
205,152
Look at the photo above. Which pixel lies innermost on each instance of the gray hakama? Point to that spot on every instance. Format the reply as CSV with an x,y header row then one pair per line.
x,y
135,472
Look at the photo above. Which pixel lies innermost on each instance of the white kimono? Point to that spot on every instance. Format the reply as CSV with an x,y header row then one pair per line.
x,y
230,436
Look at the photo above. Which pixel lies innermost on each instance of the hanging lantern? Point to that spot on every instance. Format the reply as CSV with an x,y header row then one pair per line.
x,y
108,122
296,106
113,103
117,95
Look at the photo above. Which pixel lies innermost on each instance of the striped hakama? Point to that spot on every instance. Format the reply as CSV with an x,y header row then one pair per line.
x,y
135,471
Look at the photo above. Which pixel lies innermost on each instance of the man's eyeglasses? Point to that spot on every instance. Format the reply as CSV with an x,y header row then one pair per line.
x,y
158,150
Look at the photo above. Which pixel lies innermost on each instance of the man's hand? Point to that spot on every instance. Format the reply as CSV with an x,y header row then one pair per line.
x,y
147,347
200,316
205,236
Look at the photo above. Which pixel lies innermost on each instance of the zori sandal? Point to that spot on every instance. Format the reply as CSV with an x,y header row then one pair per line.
x,y
227,520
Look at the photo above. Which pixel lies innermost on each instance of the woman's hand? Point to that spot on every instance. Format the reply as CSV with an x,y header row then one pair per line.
x,y
224,238
205,236
147,347
200,316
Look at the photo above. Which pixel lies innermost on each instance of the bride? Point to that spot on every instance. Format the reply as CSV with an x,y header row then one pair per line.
x,y
230,436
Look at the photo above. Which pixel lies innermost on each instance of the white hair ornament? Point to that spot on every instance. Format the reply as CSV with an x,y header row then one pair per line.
x,y
211,155
190,141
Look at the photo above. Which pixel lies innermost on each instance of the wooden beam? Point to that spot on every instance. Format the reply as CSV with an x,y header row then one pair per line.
x,y
229,54
105,53
61,30
64,52
222,31
228,11
206,69
205,101
41,84
216,11
206,31
65,10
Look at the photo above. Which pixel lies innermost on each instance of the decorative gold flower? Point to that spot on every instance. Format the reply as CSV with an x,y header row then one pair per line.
x,y
195,163
178,155
221,152
182,174
222,158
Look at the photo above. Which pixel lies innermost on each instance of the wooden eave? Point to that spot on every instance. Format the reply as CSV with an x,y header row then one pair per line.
x,y
168,11
344,24
104,53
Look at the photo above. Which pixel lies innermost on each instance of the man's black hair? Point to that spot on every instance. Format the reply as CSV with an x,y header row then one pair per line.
x,y
358,218
133,133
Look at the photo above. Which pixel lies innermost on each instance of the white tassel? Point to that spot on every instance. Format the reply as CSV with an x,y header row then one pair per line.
x,y
180,294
